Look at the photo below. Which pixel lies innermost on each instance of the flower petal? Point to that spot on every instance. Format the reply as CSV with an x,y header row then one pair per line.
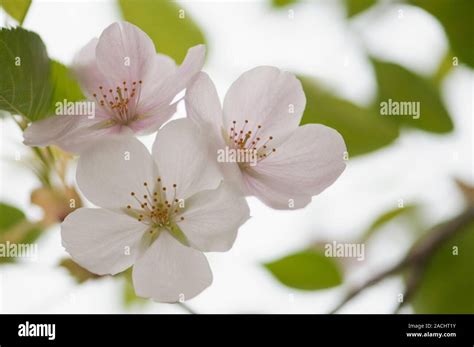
x,y
87,71
125,53
169,271
213,217
103,241
183,157
71,133
268,97
271,194
110,170
162,68
203,105
164,93
149,124
308,162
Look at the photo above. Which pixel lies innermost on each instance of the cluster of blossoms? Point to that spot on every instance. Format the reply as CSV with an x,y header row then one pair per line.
x,y
159,212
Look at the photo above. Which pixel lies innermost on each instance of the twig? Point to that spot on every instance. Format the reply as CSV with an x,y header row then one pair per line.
x,y
413,280
417,257
186,308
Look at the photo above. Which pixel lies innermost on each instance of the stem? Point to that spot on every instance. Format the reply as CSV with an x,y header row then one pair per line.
x,y
47,157
186,308
413,281
416,259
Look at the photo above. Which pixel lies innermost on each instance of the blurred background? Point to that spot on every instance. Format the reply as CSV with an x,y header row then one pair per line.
x,y
403,175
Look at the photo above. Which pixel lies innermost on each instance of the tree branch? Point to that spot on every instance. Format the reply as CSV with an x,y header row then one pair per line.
x,y
415,259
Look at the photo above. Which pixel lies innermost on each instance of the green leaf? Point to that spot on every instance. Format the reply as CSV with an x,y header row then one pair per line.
x,y
163,21
399,85
457,18
447,286
15,228
357,6
16,8
64,85
283,3
25,87
363,129
389,216
9,217
306,270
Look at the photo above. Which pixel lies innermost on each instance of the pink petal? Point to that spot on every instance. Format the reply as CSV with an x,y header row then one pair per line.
x,y
308,162
149,124
87,71
170,271
71,133
202,103
125,53
164,92
268,97
272,194
162,68
109,171
181,153
213,217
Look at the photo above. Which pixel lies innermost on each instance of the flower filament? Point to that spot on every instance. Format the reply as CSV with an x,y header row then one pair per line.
x,y
154,209
121,102
250,141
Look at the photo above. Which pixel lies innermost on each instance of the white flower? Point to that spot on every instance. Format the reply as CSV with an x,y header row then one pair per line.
x,y
159,212
260,118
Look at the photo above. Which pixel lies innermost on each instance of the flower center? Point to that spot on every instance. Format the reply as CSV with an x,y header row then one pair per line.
x,y
153,209
120,102
249,141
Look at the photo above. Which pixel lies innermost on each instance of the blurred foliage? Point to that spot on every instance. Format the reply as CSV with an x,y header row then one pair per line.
x,y
355,7
25,87
64,85
457,18
400,85
409,211
16,8
282,3
129,297
169,26
467,191
10,216
444,68
306,270
56,203
352,121
15,228
76,271
447,285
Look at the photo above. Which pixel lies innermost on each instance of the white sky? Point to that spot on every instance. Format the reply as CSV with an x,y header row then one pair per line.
x,y
418,168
